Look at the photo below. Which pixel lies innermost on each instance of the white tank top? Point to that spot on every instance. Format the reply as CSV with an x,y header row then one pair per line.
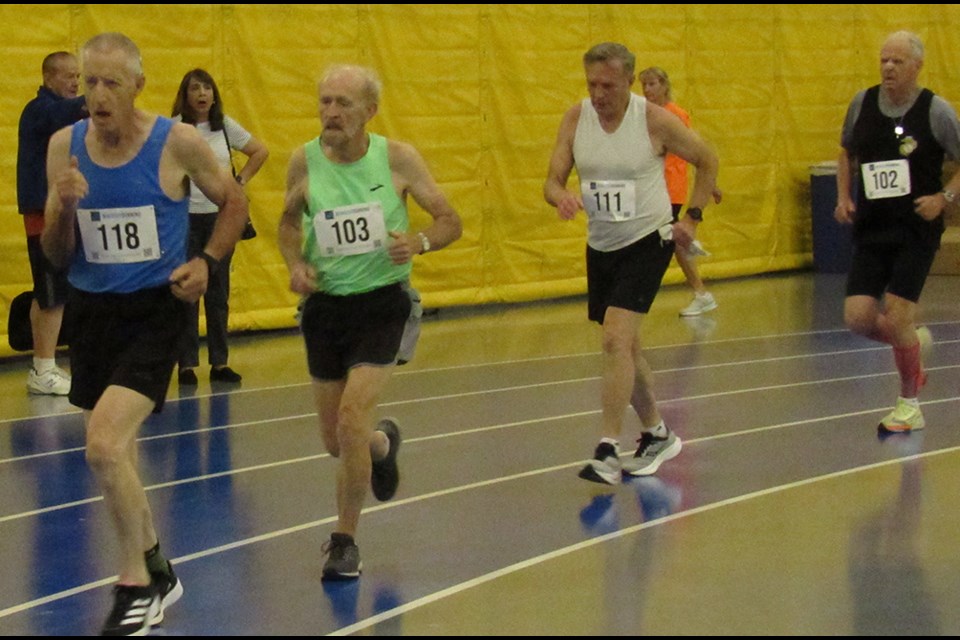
x,y
621,178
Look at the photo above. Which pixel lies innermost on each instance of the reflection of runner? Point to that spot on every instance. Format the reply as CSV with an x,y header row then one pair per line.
x,y
624,608
64,480
887,579
657,498
600,515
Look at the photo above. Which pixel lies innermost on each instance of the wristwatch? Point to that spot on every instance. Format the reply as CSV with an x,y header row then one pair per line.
x,y
424,243
696,213
212,263
949,196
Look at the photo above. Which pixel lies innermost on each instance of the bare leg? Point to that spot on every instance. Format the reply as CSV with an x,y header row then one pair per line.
x,y
348,415
626,375
688,265
112,429
45,326
643,399
892,324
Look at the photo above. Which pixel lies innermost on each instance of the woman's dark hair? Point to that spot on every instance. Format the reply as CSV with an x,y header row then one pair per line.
x,y
181,107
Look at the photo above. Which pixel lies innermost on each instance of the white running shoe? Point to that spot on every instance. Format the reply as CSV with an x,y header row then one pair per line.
x,y
52,382
700,304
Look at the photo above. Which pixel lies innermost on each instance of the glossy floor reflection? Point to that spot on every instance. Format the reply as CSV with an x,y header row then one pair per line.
x,y
783,515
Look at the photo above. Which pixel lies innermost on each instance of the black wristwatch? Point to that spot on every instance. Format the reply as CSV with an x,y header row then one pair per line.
x,y
696,213
212,263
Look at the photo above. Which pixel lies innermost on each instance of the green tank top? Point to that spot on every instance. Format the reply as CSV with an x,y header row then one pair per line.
x,y
350,210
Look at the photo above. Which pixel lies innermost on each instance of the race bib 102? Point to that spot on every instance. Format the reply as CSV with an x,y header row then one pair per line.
x,y
888,179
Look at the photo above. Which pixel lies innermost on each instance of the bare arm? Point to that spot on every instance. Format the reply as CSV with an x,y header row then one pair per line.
x,y
411,175
201,166
669,135
931,206
303,278
257,154
67,187
846,207
191,155
555,190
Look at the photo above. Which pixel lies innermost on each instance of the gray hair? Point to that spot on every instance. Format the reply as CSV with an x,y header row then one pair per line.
x,y
659,73
371,81
606,51
912,39
111,41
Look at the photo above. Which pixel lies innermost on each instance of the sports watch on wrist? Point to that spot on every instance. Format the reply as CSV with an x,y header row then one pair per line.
x,y
696,213
949,196
424,242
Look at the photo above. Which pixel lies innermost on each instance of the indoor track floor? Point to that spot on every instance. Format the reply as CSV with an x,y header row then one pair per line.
x,y
784,514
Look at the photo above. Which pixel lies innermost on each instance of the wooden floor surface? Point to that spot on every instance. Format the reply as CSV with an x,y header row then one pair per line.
x,y
784,514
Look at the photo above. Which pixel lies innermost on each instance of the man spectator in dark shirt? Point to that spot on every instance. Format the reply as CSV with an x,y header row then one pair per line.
x,y
56,106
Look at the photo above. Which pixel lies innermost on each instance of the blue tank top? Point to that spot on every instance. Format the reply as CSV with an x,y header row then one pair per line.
x,y
130,234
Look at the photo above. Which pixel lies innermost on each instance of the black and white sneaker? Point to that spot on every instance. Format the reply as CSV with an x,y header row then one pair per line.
x,y
604,467
343,558
169,588
134,609
385,475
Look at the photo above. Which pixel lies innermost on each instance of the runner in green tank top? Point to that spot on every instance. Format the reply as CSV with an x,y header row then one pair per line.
x,y
345,237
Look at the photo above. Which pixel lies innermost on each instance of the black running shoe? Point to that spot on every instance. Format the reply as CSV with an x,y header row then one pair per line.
x,y
385,475
134,609
343,558
169,587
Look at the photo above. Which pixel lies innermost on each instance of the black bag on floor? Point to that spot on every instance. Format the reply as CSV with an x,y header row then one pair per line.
x,y
19,333
19,330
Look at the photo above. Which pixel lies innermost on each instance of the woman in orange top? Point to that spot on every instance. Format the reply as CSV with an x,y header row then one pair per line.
x,y
656,89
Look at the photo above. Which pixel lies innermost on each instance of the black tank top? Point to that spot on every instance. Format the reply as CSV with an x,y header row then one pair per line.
x,y
874,139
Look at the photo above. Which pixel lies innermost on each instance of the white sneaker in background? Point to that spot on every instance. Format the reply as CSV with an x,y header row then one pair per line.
x,y
701,304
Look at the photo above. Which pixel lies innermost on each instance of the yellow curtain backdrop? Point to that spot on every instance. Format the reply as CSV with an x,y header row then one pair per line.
x,y
480,90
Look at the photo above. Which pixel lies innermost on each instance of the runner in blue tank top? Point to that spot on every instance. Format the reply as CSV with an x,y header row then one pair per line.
x,y
117,216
